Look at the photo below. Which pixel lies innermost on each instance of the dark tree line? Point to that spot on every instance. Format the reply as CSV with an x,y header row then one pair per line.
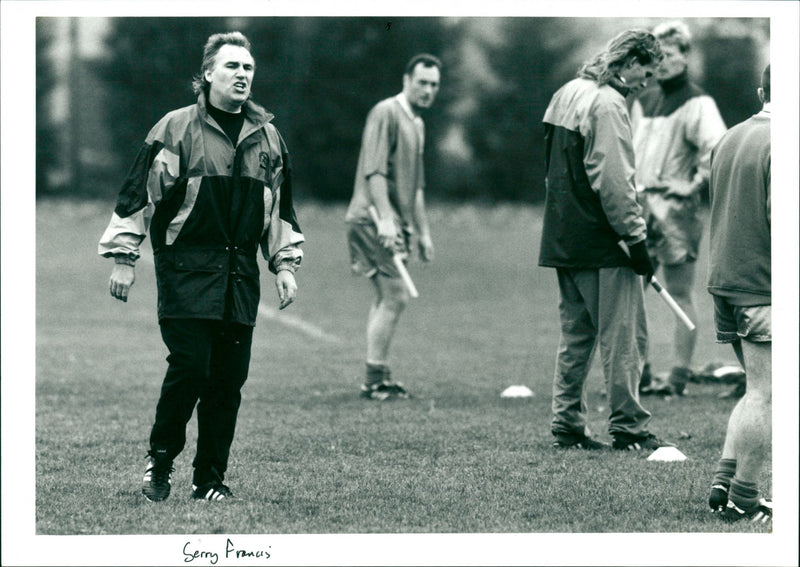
x,y
321,75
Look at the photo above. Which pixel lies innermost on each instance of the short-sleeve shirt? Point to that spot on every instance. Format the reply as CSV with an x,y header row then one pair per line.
x,y
392,146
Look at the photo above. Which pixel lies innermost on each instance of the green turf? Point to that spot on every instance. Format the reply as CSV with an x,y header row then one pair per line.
x,y
309,455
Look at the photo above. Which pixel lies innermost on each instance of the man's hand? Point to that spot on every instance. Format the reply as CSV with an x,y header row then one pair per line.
x,y
640,260
387,232
426,250
121,280
287,288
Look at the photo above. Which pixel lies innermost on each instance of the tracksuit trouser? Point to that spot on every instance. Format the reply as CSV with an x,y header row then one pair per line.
x,y
208,365
601,307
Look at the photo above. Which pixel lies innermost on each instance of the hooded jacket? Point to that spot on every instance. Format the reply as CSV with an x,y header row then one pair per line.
x,y
208,205
590,202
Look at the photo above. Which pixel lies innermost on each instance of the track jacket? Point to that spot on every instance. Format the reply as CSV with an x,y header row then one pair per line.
x,y
675,126
590,202
208,206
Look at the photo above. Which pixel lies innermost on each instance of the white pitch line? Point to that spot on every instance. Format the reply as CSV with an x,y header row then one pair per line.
x,y
272,314
296,323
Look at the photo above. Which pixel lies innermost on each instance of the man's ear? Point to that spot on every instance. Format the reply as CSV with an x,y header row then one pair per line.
x,y
761,95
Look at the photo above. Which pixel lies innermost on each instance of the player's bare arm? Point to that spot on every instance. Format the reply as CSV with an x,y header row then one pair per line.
x,y
379,191
426,249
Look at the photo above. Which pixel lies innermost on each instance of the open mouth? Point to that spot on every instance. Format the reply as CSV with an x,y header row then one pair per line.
x,y
239,86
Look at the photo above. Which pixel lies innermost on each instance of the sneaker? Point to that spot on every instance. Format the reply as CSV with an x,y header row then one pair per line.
x,y
659,386
374,391
573,441
718,497
761,513
627,442
736,392
212,491
384,391
157,483
678,378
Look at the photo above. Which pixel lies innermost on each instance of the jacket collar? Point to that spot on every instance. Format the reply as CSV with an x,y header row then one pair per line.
x,y
406,106
674,83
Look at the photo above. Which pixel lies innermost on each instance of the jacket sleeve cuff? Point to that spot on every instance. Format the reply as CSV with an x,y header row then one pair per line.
x,y
124,259
289,264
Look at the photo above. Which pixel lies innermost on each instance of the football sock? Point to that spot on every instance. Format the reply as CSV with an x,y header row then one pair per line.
x,y
726,468
744,494
375,373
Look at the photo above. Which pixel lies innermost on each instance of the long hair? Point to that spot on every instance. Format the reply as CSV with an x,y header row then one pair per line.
x,y
212,47
636,43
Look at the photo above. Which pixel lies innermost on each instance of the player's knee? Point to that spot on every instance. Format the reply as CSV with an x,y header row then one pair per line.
x,y
397,300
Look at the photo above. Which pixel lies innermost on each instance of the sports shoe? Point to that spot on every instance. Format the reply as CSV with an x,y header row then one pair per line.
x,y
678,378
736,392
659,386
384,391
213,491
627,442
157,483
573,441
718,497
761,513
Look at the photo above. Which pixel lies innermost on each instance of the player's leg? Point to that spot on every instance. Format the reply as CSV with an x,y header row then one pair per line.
x,y
679,280
751,426
726,332
218,408
189,345
622,351
391,298
577,298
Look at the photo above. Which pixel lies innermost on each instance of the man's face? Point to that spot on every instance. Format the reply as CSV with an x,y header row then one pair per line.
x,y
673,64
636,75
421,86
230,77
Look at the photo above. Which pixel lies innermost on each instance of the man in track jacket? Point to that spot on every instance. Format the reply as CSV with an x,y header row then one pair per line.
x,y
590,207
212,183
675,126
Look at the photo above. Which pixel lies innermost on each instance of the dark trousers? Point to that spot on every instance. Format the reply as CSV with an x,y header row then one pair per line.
x,y
208,364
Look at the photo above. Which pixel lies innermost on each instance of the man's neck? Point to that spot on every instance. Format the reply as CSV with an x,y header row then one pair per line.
x,y
230,108
767,107
675,82
407,105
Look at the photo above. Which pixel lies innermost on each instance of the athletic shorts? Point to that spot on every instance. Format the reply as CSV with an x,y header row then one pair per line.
x,y
674,227
367,256
733,322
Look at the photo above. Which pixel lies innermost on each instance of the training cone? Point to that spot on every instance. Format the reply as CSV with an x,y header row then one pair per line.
x,y
667,454
517,392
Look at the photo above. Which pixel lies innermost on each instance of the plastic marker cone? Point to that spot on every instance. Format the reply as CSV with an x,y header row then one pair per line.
x,y
667,454
517,392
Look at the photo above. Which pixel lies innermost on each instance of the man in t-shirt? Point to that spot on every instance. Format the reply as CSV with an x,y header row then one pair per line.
x,y
390,178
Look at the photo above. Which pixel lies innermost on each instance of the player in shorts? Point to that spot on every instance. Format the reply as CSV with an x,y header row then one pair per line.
x,y
675,126
740,280
390,180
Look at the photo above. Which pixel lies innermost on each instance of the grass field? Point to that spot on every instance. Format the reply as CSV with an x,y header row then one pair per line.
x,y
310,457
